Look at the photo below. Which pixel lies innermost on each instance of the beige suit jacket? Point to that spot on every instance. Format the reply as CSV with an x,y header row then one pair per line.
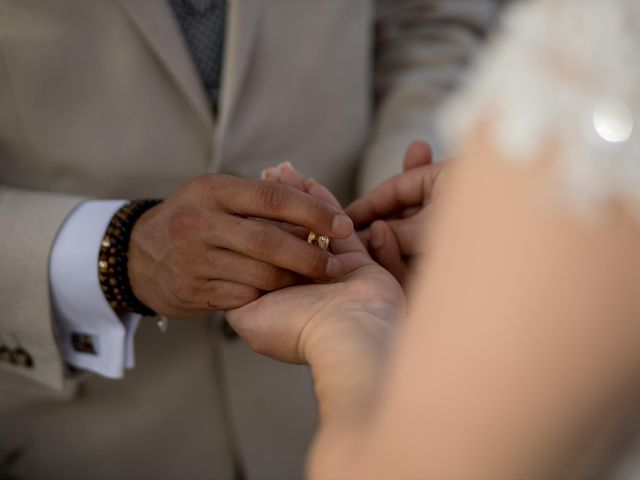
x,y
99,99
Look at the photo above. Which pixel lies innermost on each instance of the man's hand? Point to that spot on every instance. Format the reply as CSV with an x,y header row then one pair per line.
x,y
325,324
343,330
392,216
214,244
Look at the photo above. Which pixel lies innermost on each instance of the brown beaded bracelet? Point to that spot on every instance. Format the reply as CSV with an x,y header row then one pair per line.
x,y
113,260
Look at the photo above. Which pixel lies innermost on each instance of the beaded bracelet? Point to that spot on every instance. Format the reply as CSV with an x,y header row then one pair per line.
x,y
113,260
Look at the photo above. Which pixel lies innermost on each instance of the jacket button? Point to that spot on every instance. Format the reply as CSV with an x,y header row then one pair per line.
x,y
23,358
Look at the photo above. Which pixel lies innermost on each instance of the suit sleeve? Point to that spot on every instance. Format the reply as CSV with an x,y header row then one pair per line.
x,y
29,223
422,48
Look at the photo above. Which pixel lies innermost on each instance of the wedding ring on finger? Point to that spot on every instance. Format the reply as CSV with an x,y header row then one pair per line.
x,y
318,240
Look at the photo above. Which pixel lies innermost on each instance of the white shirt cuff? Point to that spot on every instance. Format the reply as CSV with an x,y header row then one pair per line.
x,y
92,336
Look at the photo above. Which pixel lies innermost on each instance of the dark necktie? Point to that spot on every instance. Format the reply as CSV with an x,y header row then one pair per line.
x,y
203,25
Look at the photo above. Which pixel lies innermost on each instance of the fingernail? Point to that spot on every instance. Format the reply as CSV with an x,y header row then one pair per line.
x,y
310,183
270,173
263,174
377,237
333,267
342,225
285,166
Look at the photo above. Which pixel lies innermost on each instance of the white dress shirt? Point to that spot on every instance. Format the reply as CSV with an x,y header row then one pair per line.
x,y
92,336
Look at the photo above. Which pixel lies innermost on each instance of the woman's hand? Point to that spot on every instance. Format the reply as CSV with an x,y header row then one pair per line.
x,y
318,323
392,217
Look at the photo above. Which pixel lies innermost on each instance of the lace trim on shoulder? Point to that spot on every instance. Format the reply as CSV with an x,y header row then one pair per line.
x,y
565,71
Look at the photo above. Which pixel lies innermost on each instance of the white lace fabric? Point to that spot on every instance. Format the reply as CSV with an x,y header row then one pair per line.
x,y
567,73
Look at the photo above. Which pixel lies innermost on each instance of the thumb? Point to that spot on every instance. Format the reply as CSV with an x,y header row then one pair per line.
x,y
418,154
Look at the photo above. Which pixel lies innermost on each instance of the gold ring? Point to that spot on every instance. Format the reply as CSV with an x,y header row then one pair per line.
x,y
318,240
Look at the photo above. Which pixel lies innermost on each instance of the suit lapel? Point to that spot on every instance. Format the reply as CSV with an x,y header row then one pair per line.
x,y
158,28
242,28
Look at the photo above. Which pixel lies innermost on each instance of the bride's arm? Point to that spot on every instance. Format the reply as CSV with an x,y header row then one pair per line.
x,y
522,347
523,338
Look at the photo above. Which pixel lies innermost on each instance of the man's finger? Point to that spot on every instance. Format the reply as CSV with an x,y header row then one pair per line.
x,y
268,243
418,154
350,244
294,230
222,264
288,175
276,201
223,295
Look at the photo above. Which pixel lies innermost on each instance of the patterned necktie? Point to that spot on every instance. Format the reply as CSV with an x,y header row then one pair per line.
x,y
203,25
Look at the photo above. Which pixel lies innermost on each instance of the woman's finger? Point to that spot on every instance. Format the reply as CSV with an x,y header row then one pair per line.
x,y
365,237
385,249
290,176
418,154
408,233
271,174
396,194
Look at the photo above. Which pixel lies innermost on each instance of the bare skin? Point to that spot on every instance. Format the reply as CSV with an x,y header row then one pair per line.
x,y
392,218
215,244
520,350
289,324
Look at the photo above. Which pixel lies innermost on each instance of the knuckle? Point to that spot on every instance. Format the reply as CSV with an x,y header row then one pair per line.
x,y
270,277
184,290
183,259
218,296
213,293
272,196
185,219
261,241
249,295
212,304
203,183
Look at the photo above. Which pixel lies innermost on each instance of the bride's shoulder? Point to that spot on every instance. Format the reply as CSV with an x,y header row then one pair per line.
x,y
567,72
